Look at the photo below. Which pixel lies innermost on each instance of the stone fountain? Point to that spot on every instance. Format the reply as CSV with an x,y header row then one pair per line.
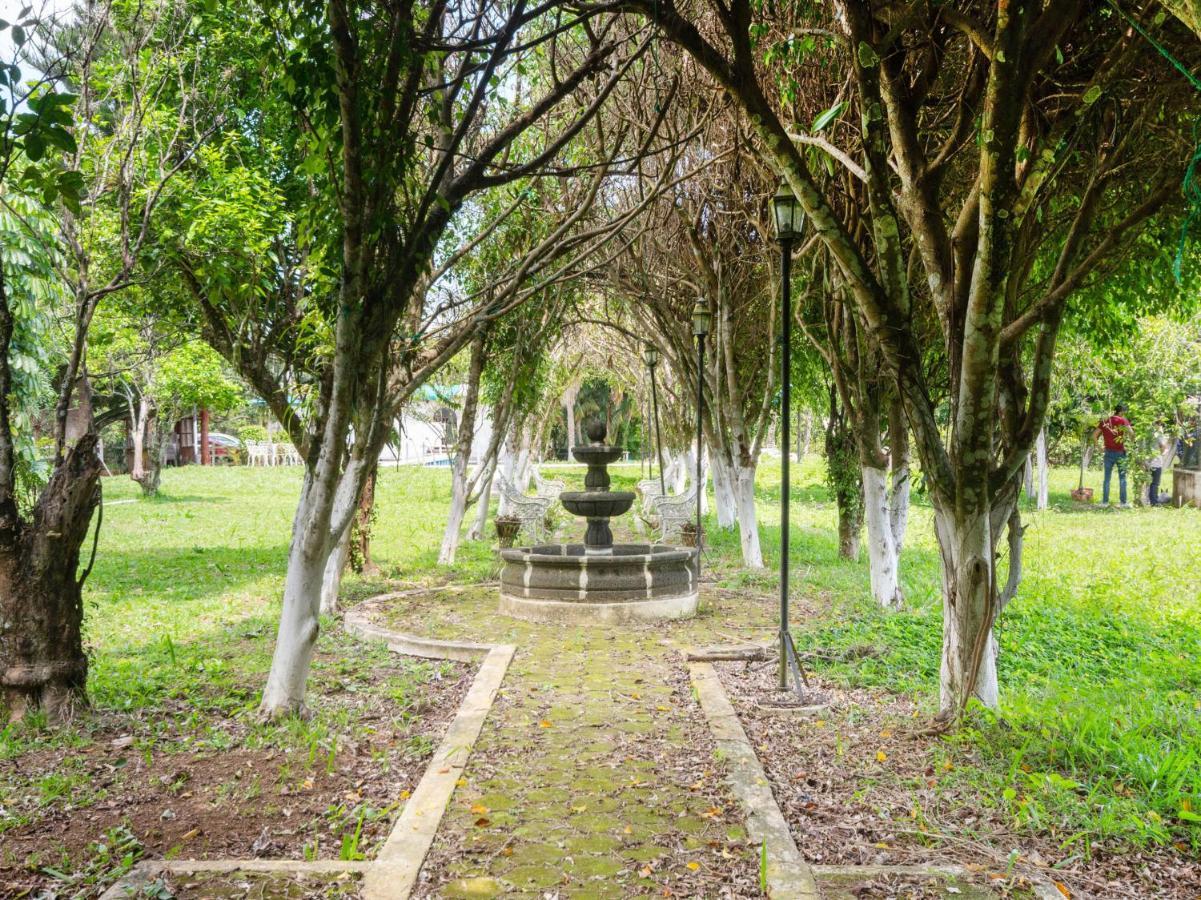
x,y
598,582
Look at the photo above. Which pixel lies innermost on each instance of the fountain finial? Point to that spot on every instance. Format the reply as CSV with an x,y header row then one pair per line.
x,y
595,431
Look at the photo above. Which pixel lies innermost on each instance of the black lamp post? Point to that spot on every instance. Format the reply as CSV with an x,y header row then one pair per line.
x,y
650,353
700,327
789,219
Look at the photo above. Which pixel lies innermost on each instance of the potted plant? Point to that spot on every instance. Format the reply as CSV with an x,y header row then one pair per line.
x,y
506,529
688,534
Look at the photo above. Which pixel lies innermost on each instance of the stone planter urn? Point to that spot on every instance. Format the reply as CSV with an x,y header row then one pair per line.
x,y
506,530
688,534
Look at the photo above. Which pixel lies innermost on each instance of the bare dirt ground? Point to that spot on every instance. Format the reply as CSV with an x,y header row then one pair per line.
x,y
191,783
862,784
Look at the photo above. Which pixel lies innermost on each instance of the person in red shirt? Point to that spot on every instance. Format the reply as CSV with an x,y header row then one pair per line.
x,y
1115,431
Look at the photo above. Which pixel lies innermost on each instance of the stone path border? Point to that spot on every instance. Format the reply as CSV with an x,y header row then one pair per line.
x,y
1043,889
787,875
393,873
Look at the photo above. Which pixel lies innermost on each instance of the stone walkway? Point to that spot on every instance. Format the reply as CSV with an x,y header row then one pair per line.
x,y
596,774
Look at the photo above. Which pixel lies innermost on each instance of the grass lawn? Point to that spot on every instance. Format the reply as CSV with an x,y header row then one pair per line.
x,y
1099,737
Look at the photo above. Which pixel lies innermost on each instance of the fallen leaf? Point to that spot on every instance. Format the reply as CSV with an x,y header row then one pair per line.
x,y
481,822
544,724
579,809
881,756
1063,889
694,865
479,809
663,708
404,795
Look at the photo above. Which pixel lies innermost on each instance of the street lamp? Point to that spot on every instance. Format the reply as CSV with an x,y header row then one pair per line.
x,y
650,354
789,219
700,327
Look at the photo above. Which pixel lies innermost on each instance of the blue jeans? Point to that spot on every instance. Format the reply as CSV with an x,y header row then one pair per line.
x,y
1115,458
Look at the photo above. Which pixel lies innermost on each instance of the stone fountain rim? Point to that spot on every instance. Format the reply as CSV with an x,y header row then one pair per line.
x,y
668,553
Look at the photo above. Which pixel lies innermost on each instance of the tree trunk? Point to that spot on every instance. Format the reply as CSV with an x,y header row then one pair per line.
x,y
327,500
881,546
156,453
363,526
480,525
898,496
1041,460
144,420
1028,476
521,465
723,492
842,482
42,660
504,465
748,525
459,488
850,524
969,650
331,580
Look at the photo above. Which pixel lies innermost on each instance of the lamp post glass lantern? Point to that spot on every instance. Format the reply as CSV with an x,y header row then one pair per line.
x,y
650,354
789,219
700,327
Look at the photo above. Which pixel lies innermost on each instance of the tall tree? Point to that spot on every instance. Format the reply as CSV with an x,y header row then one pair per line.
x,y
1006,150
366,133
99,160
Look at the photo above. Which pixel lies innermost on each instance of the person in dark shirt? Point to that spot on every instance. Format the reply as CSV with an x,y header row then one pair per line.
x,y
1115,431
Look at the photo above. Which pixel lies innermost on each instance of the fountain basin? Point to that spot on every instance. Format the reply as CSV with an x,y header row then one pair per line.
x,y
595,504
565,584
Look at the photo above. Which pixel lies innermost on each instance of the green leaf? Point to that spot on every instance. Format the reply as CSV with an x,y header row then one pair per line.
x,y
35,147
827,117
1092,95
867,56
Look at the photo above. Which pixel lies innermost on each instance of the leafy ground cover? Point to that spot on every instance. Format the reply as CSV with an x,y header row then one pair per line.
x,y
1096,748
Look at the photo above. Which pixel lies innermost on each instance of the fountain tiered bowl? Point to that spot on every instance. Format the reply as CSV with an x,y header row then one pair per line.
x,y
598,582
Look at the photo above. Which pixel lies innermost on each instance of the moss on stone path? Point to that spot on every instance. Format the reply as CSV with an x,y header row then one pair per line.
x,y
595,775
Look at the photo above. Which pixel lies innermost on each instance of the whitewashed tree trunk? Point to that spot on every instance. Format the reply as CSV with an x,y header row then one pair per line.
x,y
967,545
724,498
1028,476
331,581
522,473
748,525
298,622
1040,452
881,547
454,519
504,464
898,506
328,500
480,525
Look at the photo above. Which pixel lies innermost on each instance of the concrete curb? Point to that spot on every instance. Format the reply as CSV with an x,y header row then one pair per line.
x,y
393,873
788,875
145,872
